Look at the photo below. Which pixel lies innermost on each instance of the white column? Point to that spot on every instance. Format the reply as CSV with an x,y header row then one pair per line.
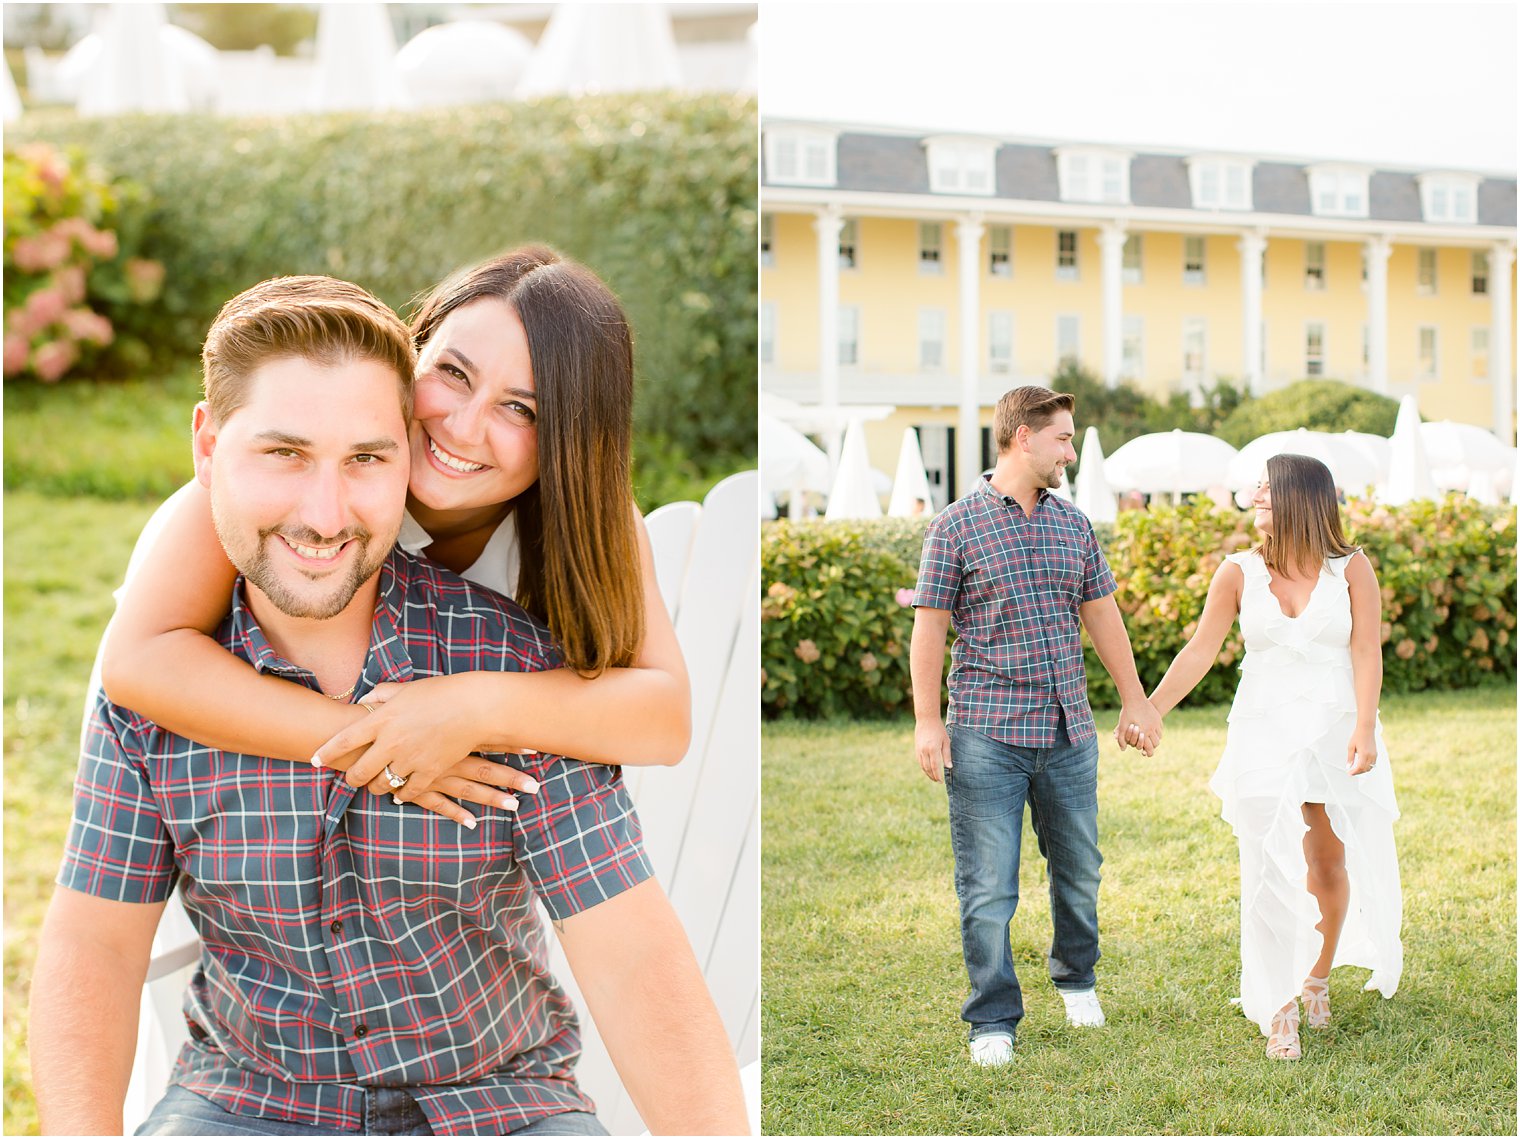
x,y
968,430
1378,250
828,225
1253,247
1500,366
1111,245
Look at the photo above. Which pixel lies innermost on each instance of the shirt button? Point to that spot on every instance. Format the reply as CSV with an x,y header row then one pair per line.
x,y
336,927
362,1030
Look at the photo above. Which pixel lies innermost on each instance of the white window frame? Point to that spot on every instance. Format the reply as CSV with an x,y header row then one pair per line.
x,y
1000,336
931,254
1199,325
1072,321
1314,362
1314,266
1000,260
931,334
767,332
767,240
1449,198
1481,369
1195,270
1432,369
1481,268
1422,287
1132,260
801,156
1073,271
1132,347
849,244
1338,191
849,335
1220,183
1093,174
961,165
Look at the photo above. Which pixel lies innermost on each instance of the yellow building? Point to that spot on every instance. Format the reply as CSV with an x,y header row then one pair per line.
x,y
934,272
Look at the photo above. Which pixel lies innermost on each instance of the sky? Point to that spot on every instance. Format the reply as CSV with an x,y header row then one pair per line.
x,y
1419,85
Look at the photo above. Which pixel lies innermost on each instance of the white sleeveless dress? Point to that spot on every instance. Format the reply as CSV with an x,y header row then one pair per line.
x,y
1293,715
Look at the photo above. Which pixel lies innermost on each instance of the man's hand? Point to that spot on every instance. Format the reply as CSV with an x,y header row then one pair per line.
x,y
933,745
1139,727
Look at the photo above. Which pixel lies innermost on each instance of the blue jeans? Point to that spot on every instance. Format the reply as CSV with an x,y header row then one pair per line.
x,y
387,1111
988,784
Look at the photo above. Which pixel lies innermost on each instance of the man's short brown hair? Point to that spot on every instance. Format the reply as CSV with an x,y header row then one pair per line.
x,y
1033,405
320,319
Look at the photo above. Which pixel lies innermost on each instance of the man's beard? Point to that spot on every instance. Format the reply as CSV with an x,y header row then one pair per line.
x,y
1053,479
258,567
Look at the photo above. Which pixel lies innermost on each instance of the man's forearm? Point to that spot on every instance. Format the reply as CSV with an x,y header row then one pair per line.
x,y
1105,628
646,993
84,1006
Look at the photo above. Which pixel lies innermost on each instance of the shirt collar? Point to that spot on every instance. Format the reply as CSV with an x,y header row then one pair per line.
x,y
984,485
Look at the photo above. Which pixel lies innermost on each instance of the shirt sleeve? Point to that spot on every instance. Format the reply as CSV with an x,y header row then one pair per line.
x,y
1097,579
939,568
578,839
118,846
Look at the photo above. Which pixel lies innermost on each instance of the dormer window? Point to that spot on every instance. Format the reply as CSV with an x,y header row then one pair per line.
x,y
1449,198
1220,183
1338,191
1089,175
961,165
797,156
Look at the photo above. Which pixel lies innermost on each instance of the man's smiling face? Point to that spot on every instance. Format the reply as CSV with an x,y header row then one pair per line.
x,y
308,480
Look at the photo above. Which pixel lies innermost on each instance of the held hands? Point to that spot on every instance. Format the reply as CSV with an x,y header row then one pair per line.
x,y
421,732
1361,752
1139,727
933,745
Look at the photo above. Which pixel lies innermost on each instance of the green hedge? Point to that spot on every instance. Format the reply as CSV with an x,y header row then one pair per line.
x,y
1321,405
655,192
836,623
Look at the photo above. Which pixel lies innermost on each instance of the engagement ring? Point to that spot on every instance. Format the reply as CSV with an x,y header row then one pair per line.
x,y
396,781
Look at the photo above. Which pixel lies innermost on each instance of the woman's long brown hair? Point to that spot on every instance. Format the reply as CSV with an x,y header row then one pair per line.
x,y
1306,517
580,569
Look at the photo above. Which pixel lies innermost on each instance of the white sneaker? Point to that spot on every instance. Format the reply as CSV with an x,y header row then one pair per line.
x,y
992,1050
1082,1008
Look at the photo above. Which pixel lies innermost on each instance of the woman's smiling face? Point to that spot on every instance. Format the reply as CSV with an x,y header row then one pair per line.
x,y
474,436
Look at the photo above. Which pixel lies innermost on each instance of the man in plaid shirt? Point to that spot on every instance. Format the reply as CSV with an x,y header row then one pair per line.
x,y
367,967
1015,569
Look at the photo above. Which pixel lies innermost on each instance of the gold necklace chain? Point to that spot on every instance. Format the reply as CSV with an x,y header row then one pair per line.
x,y
347,692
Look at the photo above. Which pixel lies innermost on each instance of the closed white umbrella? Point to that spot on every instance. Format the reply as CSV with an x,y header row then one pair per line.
x,y
1095,498
911,482
1353,470
1169,462
10,98
356,59
1458,452
589,49
130,67
852,495
1409,472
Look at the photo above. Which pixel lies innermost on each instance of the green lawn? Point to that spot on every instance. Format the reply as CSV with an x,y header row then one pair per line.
x,y
863,977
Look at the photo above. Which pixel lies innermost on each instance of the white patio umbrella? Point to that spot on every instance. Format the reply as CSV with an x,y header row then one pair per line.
x,y
1349,464
1409,472
790,463
1458,452
356,59
1095,498
464,61
1169,462
911,482
10,98
852,495
127,66
1374,447
589,49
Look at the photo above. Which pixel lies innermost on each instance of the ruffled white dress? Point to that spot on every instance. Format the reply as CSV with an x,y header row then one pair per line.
x,y
1293,715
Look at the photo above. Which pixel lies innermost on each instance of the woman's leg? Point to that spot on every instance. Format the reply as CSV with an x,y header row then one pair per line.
x,y
1326,857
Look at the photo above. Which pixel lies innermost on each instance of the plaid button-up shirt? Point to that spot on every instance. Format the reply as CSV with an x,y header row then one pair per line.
x,y
349,942
1013,584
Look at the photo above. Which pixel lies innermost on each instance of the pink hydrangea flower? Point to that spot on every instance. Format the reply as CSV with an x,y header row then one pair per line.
x,y
17,349
868,662
89,326
70,281
53,359
905,597
807,652
145,278
45,307
41,252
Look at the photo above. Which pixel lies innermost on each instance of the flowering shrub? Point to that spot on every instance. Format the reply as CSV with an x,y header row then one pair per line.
x,y
66,272
839,592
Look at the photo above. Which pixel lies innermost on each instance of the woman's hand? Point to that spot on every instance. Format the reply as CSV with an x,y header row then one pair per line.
x,y
1361,751
424,733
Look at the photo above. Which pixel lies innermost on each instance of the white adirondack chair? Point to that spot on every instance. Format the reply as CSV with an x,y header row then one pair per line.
x,y
701,818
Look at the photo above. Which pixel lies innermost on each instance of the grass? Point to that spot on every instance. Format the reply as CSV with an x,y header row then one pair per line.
x,y
863,977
